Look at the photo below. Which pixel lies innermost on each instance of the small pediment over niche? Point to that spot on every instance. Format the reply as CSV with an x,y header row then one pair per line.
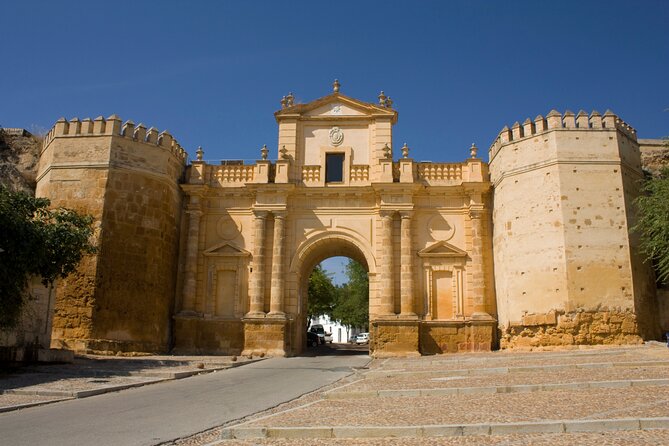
x,y
442,249
226,250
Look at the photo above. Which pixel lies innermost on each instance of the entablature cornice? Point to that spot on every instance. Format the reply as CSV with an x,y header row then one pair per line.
x,y
199,190
479,187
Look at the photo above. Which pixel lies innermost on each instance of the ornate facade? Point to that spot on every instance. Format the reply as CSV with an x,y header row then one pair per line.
x,y
216,257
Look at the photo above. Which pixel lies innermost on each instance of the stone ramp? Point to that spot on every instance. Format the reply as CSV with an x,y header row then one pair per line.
x,y
600,395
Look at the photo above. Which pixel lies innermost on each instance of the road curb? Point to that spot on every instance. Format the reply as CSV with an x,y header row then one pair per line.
x,y
68,395
446,430
35,404
520,388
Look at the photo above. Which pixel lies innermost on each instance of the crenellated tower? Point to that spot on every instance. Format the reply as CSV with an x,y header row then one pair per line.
x,y
127,177
567,270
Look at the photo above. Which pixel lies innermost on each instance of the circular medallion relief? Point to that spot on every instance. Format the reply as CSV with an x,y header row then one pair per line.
x,y
440,229
336,136
227,228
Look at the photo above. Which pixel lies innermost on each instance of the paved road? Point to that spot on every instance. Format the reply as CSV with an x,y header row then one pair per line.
x,y
161,412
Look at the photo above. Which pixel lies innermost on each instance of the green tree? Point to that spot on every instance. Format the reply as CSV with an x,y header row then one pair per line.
x,y
36,241
352,305
653,223
322,293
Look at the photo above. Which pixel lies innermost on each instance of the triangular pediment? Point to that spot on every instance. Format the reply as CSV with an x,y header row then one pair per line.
x,y
336,109
336,105
226,249
442,249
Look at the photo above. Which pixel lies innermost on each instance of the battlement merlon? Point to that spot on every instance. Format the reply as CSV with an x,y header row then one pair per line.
x,y
114,126
555,120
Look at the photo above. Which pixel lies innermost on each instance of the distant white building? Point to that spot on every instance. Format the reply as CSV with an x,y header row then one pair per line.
x,y
340,333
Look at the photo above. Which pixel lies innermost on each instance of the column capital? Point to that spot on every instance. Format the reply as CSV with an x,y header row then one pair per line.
x,y
280,214
406,214
387,213
476,212
262,214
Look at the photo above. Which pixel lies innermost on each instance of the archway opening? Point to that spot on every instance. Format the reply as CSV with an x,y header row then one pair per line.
x,y
334,277
338,308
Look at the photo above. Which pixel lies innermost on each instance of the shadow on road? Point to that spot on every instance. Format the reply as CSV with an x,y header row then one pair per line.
x,y
336,350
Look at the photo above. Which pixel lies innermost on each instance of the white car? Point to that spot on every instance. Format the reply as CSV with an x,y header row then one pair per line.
x,y
362,338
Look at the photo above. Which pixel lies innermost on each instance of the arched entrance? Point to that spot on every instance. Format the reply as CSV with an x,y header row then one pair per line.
x,y
313,251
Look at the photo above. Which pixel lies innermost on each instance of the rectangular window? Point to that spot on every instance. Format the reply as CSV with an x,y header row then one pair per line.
x,y
334,168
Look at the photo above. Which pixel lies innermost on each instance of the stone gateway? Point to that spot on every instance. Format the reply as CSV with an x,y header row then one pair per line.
x,y
531,249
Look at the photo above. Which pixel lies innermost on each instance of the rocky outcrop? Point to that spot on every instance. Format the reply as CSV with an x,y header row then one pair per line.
x,y
19,153
654,155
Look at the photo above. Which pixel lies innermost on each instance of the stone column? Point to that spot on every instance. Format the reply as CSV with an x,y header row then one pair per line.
x,y
386,284
406,268
278,279
477,270
192,247
257,285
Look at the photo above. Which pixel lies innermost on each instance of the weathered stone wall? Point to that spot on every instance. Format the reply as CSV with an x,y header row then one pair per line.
x,y
579,327
196,336
121,298
394,338
439,337
72,174
562,214
34,326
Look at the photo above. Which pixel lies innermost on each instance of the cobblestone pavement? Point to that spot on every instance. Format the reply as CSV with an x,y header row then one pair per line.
x,y
93,374
473,371
585,365
636,438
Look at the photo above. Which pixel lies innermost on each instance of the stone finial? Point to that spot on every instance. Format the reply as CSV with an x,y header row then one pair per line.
x,y
382,99
199,153
387,152
284,102
284,152
389,102
405,151
335,86
264,151
290,99
472,150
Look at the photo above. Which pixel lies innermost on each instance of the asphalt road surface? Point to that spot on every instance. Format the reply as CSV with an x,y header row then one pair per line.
x,y
161,412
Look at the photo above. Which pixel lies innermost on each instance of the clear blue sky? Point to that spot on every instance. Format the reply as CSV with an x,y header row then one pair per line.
x,y
212,73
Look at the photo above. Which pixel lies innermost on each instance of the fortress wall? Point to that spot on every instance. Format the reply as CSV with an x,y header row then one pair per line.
x,y
121,298
568,275
73,173
528,241
645,293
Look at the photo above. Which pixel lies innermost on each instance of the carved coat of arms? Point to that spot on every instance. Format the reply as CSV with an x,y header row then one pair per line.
x,y
336,136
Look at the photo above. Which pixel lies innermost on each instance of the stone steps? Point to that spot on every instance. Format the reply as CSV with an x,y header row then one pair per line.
x,y
522,388
446,430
